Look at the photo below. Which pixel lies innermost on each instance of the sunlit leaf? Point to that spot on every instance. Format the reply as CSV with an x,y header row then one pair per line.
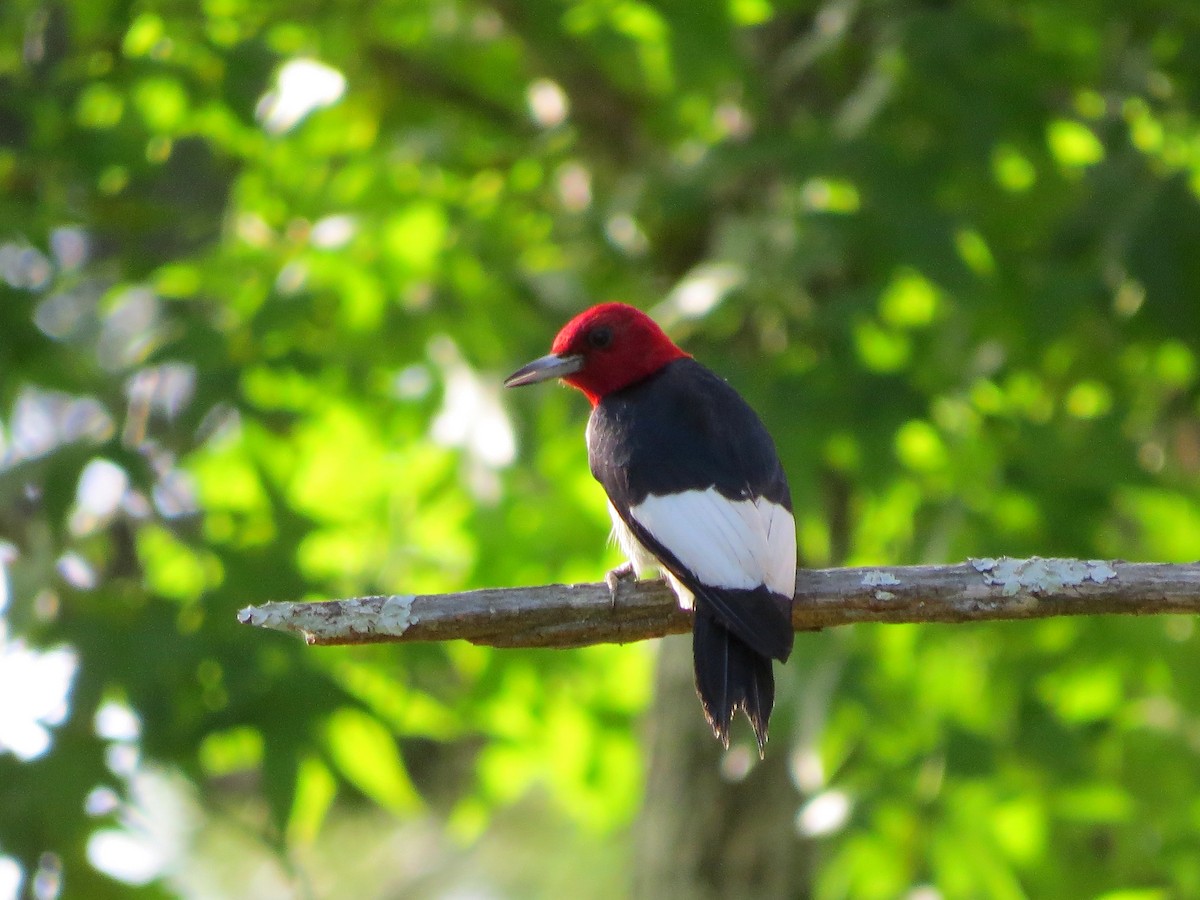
x,y
1073,143
315,792
909,301
365,752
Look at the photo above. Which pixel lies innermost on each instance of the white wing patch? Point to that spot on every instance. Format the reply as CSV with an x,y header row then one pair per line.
x,y
738,544
643,560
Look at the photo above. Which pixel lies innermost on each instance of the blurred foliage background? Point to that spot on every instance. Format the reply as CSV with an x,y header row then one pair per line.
x,y
262,266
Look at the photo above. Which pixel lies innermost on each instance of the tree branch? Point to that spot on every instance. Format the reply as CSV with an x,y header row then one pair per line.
x,y
559,615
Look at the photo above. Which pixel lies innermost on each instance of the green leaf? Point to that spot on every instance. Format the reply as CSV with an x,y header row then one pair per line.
x,y
366,754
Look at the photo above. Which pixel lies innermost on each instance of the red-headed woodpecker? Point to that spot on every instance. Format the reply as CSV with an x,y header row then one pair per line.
x,y
695,488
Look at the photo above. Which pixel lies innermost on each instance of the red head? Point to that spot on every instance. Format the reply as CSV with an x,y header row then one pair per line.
x,y
601,350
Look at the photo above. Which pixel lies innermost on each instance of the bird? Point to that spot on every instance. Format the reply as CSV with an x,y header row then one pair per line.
x,y
696,491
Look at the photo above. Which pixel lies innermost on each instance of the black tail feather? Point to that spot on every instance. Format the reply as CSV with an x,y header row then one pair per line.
x,y
731,676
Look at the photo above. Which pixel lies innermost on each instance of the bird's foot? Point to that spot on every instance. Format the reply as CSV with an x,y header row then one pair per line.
x,y
614,578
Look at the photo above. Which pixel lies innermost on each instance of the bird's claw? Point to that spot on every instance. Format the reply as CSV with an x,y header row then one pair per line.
x,y
614,578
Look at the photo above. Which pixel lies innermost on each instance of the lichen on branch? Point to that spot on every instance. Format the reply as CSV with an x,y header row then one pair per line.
x,y
572,615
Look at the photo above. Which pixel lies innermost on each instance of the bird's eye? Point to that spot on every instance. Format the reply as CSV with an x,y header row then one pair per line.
x,y
601,337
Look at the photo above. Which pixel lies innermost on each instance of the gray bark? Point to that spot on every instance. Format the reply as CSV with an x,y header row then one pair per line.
x,y
561,615
713,824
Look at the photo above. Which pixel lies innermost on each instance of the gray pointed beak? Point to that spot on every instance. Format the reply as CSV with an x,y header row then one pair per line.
x,y
552,366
